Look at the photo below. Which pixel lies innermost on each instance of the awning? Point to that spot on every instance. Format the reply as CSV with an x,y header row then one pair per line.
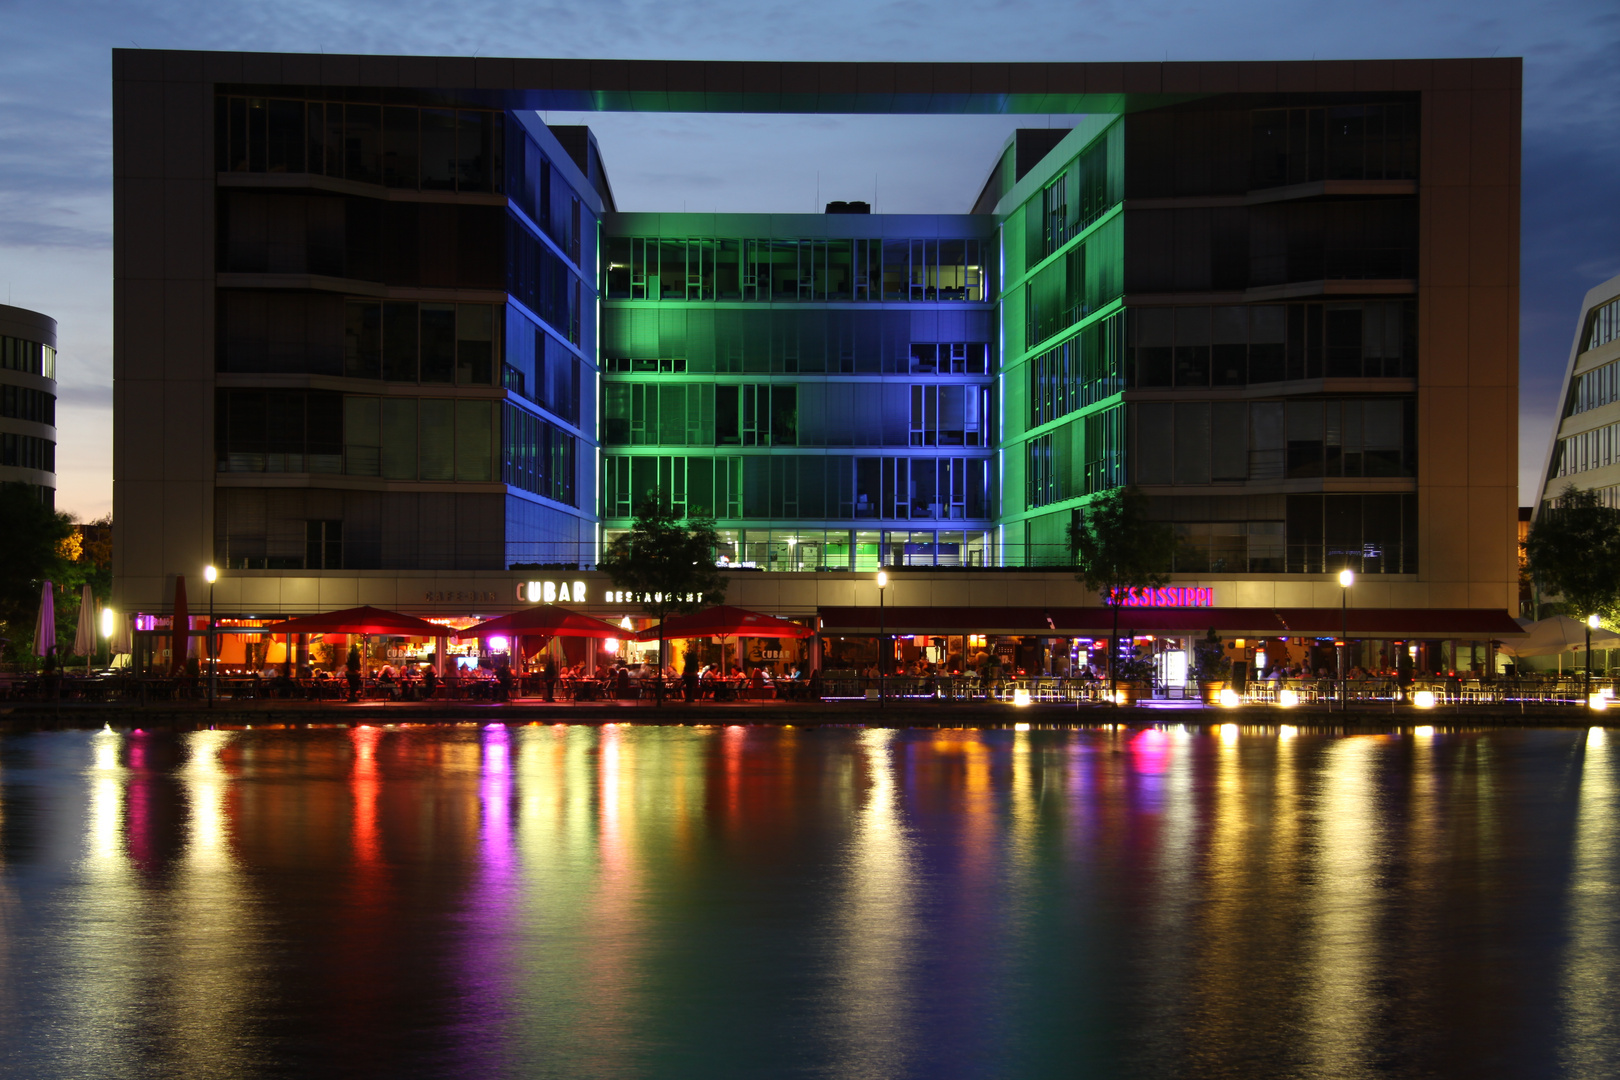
x,y
359,620
725,621
1459,623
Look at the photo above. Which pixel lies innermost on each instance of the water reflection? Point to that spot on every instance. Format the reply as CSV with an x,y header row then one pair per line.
x,y
1590,990
874,912
491,901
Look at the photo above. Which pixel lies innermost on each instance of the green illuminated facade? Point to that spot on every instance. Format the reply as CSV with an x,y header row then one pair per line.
x,y
822,384
1210,300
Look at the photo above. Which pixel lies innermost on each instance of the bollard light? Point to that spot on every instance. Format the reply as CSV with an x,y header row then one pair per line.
x,y
1597,702
1230,699
1423,699
1020,696
1287,698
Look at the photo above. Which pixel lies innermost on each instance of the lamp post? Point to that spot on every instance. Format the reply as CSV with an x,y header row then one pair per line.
x,y
1347,578
883,633
1591,621
211,575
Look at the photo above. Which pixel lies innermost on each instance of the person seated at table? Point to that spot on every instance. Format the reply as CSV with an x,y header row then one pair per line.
x,y
758,681
430,681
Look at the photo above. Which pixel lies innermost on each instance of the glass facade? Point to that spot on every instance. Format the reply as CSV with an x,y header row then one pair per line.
x,y
422,391
841,390
1140,347
736,367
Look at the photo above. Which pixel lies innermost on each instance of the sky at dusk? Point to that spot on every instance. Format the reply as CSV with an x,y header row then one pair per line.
x,y
56,146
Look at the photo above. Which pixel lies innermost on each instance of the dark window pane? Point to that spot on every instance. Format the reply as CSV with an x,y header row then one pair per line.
x,y
438,343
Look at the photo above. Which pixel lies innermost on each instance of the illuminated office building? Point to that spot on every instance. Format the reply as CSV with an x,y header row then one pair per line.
x,y
383,336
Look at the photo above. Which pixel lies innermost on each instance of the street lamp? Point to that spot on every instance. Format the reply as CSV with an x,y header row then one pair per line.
x,y
883,585
107,626
211,575
1591,624
1347,578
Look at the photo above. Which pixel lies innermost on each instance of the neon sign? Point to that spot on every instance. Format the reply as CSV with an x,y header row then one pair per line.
x,y
551,592
1187,596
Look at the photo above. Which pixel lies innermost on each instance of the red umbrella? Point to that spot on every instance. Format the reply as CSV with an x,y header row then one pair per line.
x,y
360,620
549,620
725,621
179,626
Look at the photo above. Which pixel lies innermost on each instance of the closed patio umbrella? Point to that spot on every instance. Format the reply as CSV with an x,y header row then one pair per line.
x,y
45,623
84,639
179,627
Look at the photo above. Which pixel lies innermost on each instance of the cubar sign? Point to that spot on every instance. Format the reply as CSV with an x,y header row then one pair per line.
x,y
551,592
1172,597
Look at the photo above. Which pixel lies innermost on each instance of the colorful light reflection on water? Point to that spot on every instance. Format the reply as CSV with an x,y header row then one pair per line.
x,y
728,900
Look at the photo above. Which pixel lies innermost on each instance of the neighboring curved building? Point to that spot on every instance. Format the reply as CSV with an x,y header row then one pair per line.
x,y
1585,448
28,400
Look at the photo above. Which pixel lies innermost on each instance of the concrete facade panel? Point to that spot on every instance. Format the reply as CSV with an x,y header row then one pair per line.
x,y
1491,247
139,115
1448,130
1446,240
1489,347
188,129
1492,116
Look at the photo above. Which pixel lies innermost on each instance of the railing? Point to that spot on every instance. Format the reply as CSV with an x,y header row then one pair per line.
x,y
832,687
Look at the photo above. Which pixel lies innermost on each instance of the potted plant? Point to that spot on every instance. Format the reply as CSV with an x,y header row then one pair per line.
x,y
1135,677
1211,667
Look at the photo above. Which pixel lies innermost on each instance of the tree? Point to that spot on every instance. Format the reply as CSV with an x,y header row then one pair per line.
x,y
32,536
1118,547
667,564
1574,552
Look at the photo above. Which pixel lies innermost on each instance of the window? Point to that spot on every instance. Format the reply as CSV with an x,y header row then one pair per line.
x,y
1377,141
399,147
1081,457
27,452
22,403
539,456
1196,443
1085,280
323,545
400,341
16,354
1605,324
1236,346
297,431
784,270
796,487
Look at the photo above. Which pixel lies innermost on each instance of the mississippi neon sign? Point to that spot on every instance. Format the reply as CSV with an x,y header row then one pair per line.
x,y
1187,596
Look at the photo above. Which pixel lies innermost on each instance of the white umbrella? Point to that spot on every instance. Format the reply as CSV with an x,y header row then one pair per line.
x,y
122,643
1557,634
84,639
45,625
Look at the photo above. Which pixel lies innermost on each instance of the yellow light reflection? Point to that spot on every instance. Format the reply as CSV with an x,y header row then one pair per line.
x,y
876,920
1590,1042
1342,1011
